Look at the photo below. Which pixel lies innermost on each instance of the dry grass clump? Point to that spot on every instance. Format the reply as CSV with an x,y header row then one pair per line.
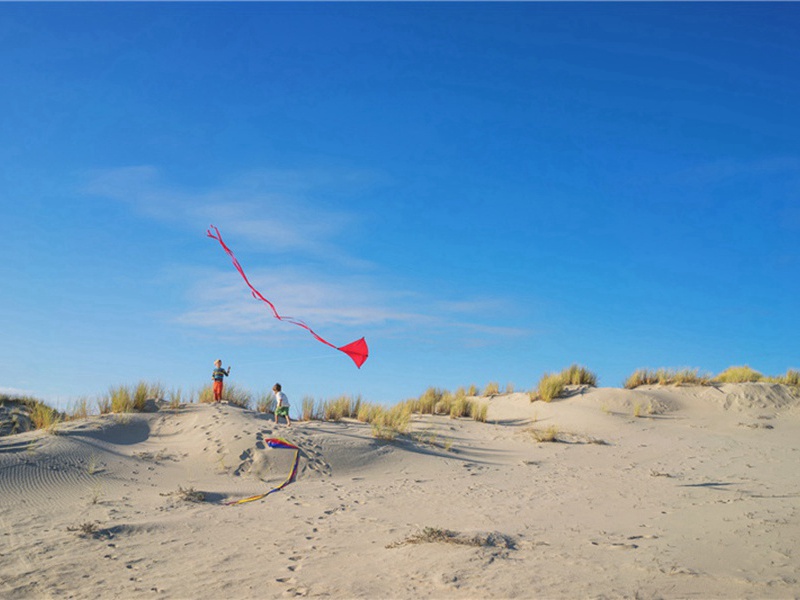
x,y
545,435
176,398
792,377
492,389
430,535
743,374
552,385
190,495
428,402
123,398
264,402
435,401
343,407
664,376
45,417
79,409
578,375
86,530
387,424
309,409
231,393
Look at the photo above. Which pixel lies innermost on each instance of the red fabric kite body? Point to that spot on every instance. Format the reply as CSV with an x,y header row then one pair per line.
x,y
357,351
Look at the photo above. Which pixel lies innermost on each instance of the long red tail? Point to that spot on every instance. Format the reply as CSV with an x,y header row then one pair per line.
x,y
358,351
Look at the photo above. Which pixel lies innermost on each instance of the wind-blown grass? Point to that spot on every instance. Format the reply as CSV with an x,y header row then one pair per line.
x,y
552,385
231,393
664,376
578,375
44,417
743,374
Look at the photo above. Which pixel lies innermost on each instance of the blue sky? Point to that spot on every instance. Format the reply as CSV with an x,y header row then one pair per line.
x,y
485,191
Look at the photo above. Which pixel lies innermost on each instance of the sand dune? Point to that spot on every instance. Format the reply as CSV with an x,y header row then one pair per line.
x,y
656,492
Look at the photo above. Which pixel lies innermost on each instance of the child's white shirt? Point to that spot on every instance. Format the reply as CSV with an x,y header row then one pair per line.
x,y
281,399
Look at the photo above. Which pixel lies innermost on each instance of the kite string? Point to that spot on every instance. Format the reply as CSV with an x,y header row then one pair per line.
x,y
256,294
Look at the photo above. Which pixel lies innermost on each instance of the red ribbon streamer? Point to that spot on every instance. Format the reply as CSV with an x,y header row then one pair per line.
x,y
357,351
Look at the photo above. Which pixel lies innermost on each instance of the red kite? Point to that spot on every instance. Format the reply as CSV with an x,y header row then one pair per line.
x,y
357,351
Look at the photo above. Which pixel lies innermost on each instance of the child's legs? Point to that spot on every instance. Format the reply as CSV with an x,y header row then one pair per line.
x,y
217,390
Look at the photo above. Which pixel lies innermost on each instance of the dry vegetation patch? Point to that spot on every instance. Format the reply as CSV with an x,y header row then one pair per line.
x,y
433,535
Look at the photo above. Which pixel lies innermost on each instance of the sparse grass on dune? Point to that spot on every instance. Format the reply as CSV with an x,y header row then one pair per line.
x,y
492,389
743,374
231,393
45,417
578,375
552,385
309,410
343,407
386,424
79,409
664,376
792,377
133,398
264,402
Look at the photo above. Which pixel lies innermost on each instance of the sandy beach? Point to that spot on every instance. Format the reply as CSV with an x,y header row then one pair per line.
x,y
658,492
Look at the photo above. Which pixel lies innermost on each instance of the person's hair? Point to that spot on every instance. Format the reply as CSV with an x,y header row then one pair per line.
x,y
277,387
219,360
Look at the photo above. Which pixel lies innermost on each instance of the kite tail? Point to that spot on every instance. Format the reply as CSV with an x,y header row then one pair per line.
x,y
275,443
358,351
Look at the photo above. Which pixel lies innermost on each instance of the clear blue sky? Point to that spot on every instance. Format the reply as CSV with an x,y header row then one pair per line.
x,y
485,191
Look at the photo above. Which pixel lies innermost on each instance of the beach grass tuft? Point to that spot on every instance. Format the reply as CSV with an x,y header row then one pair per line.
x,y
492,389
552,385
664,376
742,374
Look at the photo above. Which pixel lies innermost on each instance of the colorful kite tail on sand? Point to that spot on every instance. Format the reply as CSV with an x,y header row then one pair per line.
x,y
275,443
357,351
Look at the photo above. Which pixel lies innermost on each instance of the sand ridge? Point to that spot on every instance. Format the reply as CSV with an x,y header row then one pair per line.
x,y
655,492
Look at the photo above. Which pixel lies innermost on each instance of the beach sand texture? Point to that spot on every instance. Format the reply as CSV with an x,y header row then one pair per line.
x,y
672,492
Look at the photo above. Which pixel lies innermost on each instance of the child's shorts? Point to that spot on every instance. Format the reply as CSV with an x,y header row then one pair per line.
x,y
283,411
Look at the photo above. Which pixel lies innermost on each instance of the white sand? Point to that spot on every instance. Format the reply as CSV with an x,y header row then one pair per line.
x,y
701,498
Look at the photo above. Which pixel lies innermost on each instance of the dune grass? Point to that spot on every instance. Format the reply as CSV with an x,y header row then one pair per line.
x,y
387,424
578,375
492,389
231,393
742,374
45,417
552,385
663,376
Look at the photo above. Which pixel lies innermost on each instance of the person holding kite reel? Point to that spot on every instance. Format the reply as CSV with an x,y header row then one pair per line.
x,y
217,376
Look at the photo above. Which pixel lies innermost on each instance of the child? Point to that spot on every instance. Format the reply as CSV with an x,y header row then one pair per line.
x,y
218,375
281,405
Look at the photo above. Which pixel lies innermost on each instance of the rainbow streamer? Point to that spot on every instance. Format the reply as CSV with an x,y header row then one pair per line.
x,y
275,443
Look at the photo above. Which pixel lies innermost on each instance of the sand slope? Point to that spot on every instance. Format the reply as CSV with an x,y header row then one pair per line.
x,y
697,496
